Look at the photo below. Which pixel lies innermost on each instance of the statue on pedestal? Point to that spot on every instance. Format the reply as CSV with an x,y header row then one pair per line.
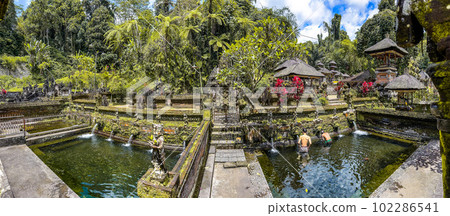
x,y
158,156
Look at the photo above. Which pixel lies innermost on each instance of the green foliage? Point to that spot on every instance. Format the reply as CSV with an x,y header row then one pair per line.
x,y
375,29
11,39
323,101
39,61
247,60
12,62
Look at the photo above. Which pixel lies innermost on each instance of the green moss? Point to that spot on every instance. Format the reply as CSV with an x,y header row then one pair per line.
x,y
445,151
383,174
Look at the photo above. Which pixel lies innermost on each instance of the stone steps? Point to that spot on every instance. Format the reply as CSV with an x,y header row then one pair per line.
x,y
218,135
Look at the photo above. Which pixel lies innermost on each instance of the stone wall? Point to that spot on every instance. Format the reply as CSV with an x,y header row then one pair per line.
x,y
32,109
16,140
409,126
20,72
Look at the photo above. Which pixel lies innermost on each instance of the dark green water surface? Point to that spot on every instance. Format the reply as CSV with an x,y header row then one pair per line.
x,y
354,166
95,167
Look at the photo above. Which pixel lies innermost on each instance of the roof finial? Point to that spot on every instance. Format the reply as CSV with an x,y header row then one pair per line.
x,y
387,35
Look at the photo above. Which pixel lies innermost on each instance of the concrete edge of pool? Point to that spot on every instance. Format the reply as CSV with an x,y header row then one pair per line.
x,y
420,176
29,177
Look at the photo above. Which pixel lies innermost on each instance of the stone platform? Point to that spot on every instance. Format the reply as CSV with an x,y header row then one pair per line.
x,y
420,176
29,177
230,174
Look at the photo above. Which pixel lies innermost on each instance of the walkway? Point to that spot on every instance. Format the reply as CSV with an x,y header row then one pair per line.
x,y
29,177
420,176
230,174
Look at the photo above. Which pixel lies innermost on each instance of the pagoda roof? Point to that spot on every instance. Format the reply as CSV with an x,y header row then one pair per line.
x,y
297,67
405,82
360,77
325,71
385,45
424,76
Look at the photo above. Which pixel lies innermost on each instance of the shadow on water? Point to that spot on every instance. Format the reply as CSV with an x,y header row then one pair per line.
x,y
95,167
351,167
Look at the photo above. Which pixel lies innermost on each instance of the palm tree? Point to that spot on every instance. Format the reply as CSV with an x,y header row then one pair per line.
x,y
219,42
246,24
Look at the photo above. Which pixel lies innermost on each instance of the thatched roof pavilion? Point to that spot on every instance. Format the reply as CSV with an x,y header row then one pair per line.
x,y
405,82
360,77
405,85
298,68
387,52
287,64
386,45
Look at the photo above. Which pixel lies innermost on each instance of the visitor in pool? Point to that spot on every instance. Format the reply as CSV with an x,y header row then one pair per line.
x,y
303,142
326,138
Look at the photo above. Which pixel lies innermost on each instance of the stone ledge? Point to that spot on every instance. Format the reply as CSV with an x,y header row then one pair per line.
x,y
420,176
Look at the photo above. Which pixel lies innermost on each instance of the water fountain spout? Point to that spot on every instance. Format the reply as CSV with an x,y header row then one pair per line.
x,y
129,140
93,129
110,136
273,150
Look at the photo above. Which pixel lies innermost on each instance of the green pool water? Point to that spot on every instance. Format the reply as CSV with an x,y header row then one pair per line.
x,y
95,167
354,166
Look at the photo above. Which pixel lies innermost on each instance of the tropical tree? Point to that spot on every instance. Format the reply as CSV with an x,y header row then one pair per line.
x,y
246,62
39,60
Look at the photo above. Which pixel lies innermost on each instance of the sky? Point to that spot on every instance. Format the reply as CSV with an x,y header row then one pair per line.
x,y
310,14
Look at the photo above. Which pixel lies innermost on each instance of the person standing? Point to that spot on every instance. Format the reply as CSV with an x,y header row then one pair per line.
x,y
327,138
304,142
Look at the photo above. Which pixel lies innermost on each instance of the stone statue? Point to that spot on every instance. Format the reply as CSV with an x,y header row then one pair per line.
x,y
186,120
158,156
270,116
117,115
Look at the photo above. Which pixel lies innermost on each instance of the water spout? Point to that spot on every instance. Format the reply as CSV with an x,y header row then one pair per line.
x,y
359,132
93,129
110,136
273,150
184,147
129,140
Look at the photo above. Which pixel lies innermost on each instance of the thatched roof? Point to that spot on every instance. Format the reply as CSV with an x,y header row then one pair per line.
x,y
361,77
325,71
297,67
332,62
345,75
405,82
424,76
320,64
287,64
384,45
336,73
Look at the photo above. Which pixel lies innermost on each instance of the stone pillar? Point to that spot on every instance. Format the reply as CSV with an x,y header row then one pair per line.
x,y
440,74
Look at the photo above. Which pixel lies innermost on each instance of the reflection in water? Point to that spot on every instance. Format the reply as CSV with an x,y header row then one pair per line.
x,y
343,170
95,167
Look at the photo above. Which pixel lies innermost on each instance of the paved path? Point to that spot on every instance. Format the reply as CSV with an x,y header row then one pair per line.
x,y
420,176
29,177
229,174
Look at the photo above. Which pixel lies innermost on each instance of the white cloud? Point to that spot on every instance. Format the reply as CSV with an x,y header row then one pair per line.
x,y
372,13
312,12
311,31
360,4
262,3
